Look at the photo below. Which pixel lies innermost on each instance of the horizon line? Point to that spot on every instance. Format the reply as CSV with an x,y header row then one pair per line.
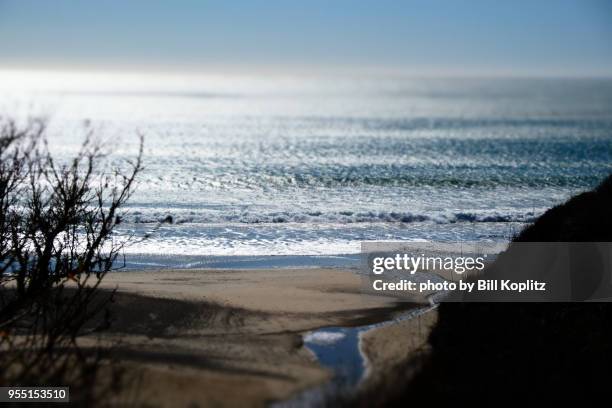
x,y
304,70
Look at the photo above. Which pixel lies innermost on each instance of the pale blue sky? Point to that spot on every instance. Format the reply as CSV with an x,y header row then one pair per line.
x,y
539,37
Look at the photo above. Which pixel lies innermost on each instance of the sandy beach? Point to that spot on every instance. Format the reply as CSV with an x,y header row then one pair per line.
x,y
195,337
228,337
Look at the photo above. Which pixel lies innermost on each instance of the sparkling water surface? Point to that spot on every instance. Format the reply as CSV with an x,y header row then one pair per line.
x,y
267,165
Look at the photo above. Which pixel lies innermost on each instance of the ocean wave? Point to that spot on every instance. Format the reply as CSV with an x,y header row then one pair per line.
x,y
478,172
336,217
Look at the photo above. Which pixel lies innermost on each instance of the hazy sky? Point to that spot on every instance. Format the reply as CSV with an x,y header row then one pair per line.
x,y
541,37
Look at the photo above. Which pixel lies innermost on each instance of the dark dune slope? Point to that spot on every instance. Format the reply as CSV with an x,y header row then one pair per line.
x,y
503,353
586,217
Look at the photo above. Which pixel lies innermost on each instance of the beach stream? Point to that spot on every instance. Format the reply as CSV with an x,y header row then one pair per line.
x,y
339,349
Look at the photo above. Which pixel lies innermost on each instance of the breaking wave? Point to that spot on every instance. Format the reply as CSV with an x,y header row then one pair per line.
x,y
339,217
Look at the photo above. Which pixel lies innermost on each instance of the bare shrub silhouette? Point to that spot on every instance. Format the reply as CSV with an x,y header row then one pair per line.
x,y
57,242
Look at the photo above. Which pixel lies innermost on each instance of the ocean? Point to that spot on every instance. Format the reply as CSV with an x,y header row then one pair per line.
x,y
254,166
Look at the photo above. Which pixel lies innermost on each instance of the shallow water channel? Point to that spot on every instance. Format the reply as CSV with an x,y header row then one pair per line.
x,y
338,348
